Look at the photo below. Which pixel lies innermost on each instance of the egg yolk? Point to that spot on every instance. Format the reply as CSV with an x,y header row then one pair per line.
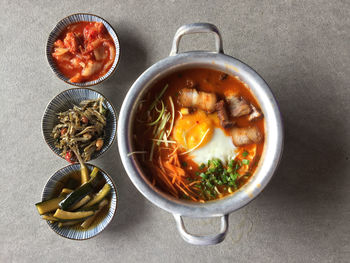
x,y
190,130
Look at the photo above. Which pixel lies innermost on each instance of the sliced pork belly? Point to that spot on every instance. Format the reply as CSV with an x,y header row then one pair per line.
x,y
237,106
246,135
200,100
222,114
255,115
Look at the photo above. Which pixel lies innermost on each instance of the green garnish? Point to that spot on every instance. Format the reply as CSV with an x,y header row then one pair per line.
x,y
158,98
245,161
231,163
159,117
212,170
224,179
159,123
209,184
215,176
233,176
184,164
245,153
203,175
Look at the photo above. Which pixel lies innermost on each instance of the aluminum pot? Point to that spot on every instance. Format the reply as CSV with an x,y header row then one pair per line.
x,y
273,134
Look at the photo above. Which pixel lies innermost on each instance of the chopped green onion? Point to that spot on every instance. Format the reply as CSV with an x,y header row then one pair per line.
x,y
233,176
212,170
245,161
245,153
209,184
216,174
223,178
230,164
216,163
203,175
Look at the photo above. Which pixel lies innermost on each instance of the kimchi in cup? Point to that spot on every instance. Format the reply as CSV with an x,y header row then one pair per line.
x,y
83,50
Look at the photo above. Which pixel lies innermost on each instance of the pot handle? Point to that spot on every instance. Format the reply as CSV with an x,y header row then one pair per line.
x,y
202,240
196,28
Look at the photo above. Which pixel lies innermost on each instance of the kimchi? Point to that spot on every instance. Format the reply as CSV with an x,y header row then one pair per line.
x,y
84,51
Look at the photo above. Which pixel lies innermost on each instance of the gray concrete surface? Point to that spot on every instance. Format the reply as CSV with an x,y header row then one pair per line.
x,y
301,48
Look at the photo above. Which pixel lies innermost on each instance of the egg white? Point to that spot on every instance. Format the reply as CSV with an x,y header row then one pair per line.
x,y
219,147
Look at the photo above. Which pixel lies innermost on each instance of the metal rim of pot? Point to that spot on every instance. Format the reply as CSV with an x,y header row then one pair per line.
x,y
273,134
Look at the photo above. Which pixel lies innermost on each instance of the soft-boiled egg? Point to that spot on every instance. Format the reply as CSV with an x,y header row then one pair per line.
x,y
219,147
200,135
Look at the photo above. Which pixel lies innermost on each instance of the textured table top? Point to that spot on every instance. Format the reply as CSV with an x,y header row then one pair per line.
x,y
302,50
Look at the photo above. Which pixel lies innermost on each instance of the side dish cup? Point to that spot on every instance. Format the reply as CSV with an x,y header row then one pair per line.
x,y
273,129
61,25
70,232
65,101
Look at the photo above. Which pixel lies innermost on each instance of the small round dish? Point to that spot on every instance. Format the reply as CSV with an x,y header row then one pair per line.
x,y
75,233
65,101
61,25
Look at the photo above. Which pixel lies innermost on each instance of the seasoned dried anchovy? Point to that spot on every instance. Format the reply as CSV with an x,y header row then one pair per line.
x,y
80,127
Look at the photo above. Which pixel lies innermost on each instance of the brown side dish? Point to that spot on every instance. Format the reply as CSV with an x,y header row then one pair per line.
x,y
81,130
